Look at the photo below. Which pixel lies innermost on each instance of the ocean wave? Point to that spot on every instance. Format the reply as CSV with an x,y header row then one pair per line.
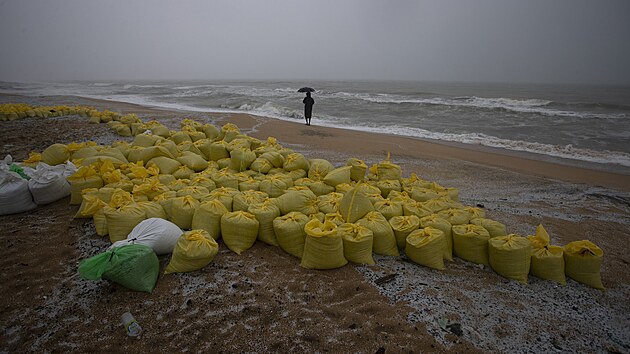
x,y
562,151
102,84
537,106
131,86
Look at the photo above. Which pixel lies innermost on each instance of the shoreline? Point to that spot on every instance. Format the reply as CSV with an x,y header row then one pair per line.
x,y
360,143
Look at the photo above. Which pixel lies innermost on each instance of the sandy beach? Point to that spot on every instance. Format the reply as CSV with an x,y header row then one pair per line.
x,y
263,301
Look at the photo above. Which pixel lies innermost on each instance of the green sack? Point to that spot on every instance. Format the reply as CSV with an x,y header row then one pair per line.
x,y
133,266
19,170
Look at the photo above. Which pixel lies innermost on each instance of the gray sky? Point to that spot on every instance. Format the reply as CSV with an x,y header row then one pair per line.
x,y
443,40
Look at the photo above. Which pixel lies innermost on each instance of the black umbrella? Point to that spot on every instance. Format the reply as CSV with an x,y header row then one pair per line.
x,y
306,89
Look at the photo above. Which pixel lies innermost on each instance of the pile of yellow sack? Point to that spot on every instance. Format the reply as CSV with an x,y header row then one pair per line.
x,y
242,189
13,111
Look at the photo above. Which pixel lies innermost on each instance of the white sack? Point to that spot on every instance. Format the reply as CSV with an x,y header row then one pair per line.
x,y
14,194
48,184
159,234
68,169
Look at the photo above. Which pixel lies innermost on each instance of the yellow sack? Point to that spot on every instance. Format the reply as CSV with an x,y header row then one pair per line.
x,y
384,240
403,226
146,154
218,151
426,247
329,203
33,159
443,225
153,210
183,172
367,188
541,239
319,187
455,216
97,160
388,186
290,234
295,161
323,247
85,152
423,194
399,196
388,170
55,154
319,216
357,170
265,213
344,187
239,230
337,176
357,243
180,137
275,158
510,256
411,207
116,154
303,201
583,260
114,176
207,217
274,186
335,218
85,177
226,179
100,222
159,130
355,204
494,228
474,212
182,210
178,184
165,165
319,168
194,250
225,195
389,208
249,184
151,188
145,140
437,204
239,143
202,181
196,192
241,159
470,243
210,130
121,220
203,145
261,165
192,161
243,200
89,203
548,263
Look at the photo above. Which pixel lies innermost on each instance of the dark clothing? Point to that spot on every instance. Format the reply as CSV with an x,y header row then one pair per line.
x,y
308,106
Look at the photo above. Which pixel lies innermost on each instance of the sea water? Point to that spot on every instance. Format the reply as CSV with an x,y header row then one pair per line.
x,y
582,123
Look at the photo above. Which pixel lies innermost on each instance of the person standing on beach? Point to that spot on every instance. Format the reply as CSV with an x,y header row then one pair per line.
x,y
308,107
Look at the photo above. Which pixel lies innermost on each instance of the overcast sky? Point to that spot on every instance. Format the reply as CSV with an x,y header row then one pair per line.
x,y
466,40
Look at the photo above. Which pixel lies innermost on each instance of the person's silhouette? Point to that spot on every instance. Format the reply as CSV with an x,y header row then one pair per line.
x,y
308,107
